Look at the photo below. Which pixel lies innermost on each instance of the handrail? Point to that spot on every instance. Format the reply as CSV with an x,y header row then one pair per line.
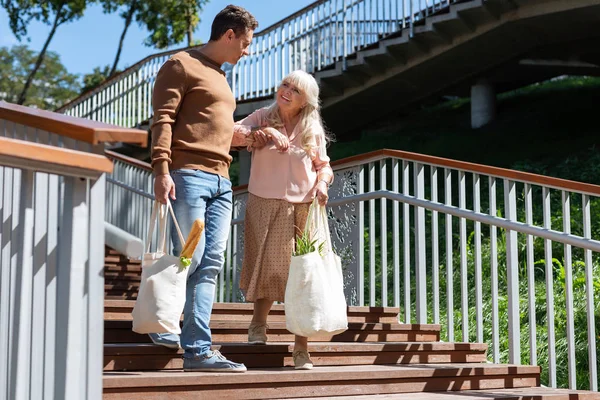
x,y
35,156
520,176
84,130
169,52
524,177
117,76
130,160
317,36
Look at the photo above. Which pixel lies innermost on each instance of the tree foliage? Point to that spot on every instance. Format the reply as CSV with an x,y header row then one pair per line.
x,y
50,12
169,22
52,86
95,78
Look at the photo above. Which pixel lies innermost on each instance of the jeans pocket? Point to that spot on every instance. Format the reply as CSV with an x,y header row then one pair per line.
x,y
184,171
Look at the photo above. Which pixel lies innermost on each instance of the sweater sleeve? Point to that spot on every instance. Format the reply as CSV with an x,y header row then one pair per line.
x,y
169,90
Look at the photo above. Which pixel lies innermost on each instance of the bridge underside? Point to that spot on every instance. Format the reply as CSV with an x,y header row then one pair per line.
x,y
509,43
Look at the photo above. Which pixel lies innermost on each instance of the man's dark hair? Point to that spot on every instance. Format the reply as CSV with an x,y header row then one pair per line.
x,y
232,17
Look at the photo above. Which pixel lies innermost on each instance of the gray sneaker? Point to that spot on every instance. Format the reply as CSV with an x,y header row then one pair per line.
x,y
212,361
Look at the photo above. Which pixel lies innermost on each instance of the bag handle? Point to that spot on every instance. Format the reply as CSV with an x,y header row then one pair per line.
x,y
158,212
316,223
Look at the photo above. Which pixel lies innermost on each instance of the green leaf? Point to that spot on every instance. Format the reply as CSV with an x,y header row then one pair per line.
x,y
185,261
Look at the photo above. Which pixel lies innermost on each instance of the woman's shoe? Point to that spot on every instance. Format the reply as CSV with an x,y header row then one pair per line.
x,y
168,340
257,333
302,360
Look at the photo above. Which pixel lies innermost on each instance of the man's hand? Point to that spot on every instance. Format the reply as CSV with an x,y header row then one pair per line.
x,y
163,187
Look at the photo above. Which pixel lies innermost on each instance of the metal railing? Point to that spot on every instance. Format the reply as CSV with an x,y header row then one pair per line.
x,y
493,255
51,271
311,39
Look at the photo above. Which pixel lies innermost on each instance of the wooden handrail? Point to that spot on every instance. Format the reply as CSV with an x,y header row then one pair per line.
x,y
498,172
84,130
40,157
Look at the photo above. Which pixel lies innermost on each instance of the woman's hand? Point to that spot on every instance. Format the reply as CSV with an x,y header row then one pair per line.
x,y
320,192
282,143
260,139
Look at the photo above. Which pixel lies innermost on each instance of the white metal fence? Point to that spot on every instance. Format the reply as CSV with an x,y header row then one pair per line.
x,y
493,255
51,275
315,37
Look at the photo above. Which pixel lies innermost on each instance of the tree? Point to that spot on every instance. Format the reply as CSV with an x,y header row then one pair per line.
x,y
129,8
96,78
168,22
51,12
53,84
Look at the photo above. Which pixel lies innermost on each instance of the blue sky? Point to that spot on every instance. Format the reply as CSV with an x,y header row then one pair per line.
x,y
92,40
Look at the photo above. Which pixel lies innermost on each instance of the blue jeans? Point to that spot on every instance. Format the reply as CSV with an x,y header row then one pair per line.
x,y
208,197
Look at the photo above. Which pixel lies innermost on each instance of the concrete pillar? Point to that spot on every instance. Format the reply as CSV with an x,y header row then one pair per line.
x,y
483,103
245,158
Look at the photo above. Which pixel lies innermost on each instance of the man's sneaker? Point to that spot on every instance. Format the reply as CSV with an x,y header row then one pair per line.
x,y
257,333
168,340
212,361
302,360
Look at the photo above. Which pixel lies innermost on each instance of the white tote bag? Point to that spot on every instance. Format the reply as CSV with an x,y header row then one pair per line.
x,y
314,294
161,297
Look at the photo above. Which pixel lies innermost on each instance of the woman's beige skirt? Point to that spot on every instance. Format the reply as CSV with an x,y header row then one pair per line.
x,y
270,230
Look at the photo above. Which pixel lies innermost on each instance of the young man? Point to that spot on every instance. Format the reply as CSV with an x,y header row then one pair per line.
x,y
191,136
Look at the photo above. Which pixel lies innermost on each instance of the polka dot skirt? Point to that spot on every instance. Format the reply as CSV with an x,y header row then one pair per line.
x,y
271,226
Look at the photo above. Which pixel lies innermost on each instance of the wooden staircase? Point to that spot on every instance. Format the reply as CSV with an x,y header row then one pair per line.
x,y
377,358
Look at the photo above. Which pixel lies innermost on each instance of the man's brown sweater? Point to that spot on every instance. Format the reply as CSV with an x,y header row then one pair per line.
x,y
193,116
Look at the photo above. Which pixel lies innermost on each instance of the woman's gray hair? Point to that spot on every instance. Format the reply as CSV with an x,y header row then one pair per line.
x,y
310,123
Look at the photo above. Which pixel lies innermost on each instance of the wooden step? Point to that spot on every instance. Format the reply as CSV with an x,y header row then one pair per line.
x,y
128,268
120,294
119,259
237,332
279,383
121,310
534,393
145,357
118,276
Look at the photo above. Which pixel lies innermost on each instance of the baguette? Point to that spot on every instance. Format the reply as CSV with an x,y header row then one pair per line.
x,y
193,239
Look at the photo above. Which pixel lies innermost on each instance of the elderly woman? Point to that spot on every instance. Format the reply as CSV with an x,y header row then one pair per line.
x,y
286,175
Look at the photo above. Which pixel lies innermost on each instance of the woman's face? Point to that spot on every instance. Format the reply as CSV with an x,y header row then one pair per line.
x,y
290,98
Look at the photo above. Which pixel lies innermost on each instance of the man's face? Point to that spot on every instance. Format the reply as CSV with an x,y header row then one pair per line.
x,y
239,45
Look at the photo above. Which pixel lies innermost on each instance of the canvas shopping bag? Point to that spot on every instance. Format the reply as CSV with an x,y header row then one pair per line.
x,y
314,294
161,297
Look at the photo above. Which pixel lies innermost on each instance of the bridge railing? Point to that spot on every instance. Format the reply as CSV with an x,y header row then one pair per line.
x,y
493,255
311,39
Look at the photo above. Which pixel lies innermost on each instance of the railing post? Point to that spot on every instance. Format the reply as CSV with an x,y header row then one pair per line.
x,y
73,257
512,267
383,228
361,238
549,267
589,292
406,239
344,40
21,334
568,264
449,257
95,289
420,246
